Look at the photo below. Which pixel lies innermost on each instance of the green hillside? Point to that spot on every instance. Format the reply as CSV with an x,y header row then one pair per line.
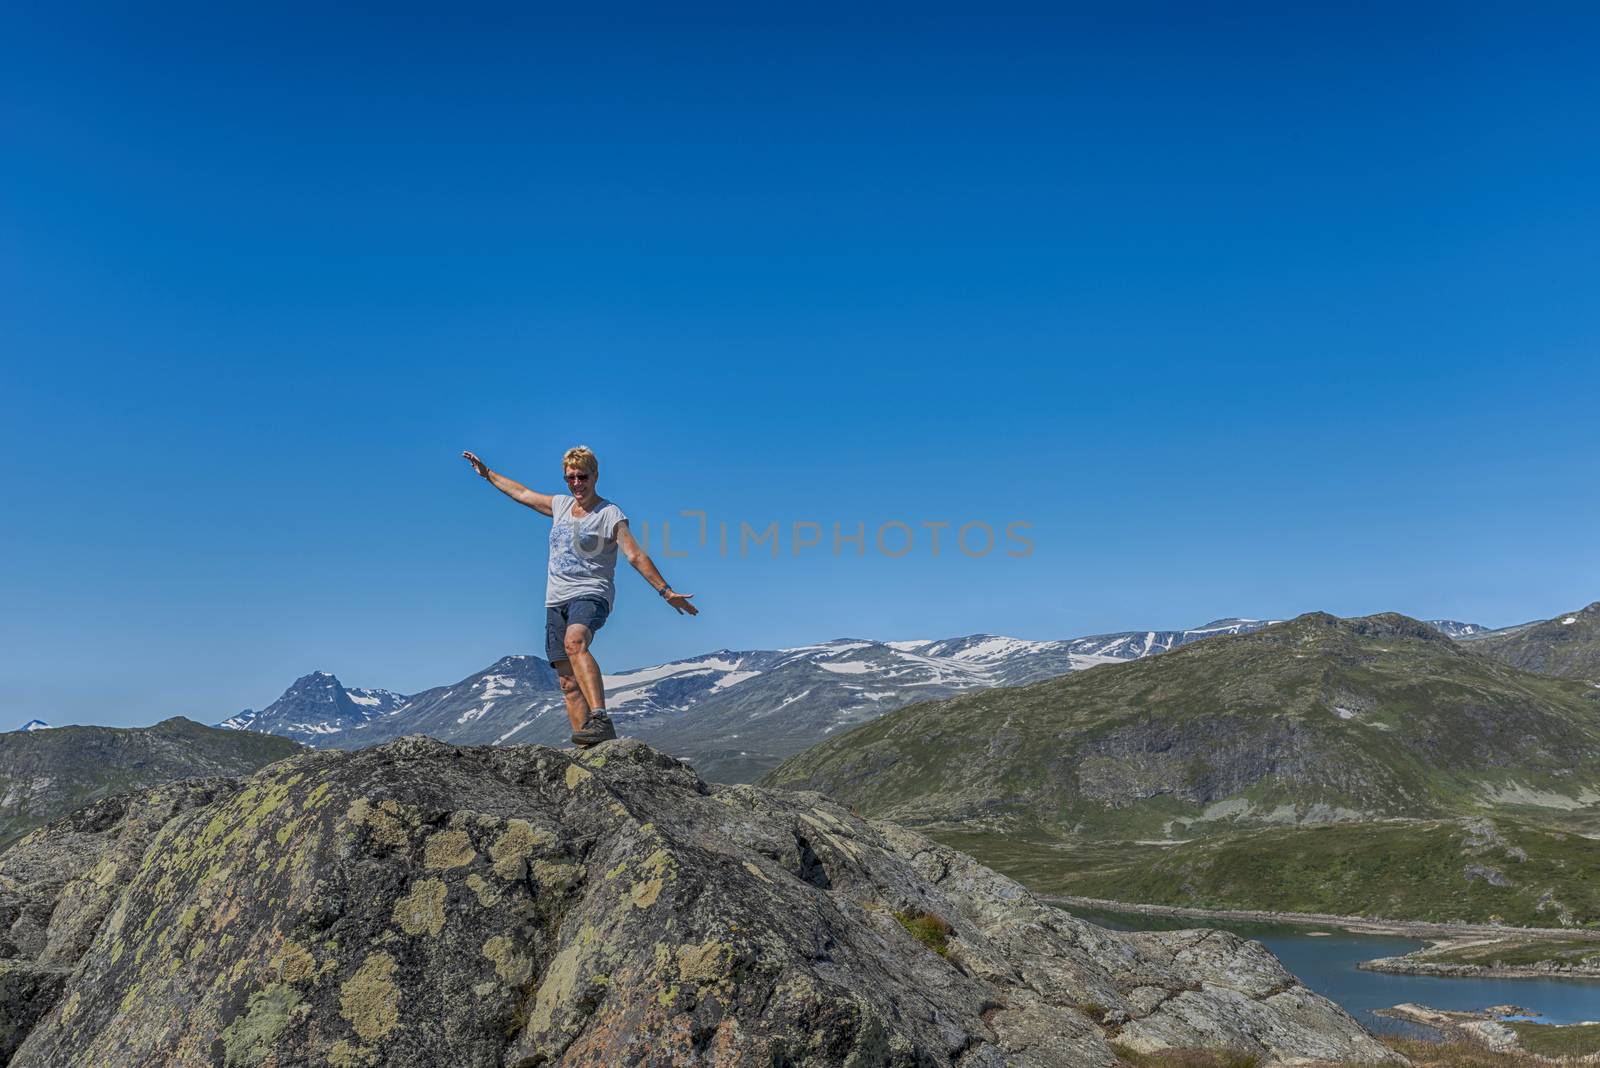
x,y
1436,870
1107,782
48,773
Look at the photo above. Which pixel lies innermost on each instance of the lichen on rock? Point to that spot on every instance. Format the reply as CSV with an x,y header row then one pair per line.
x,y
249,1039
509,964
422,910
448,849
370,1000
514,846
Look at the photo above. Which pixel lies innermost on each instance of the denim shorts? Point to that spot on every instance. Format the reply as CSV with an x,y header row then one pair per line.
x,y
590,611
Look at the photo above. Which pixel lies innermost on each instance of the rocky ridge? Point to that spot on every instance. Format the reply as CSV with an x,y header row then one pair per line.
x,y
1566,645
416,903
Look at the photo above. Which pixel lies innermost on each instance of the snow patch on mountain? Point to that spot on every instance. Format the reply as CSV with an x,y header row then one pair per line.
x,y
1451,628
639,676
241,722
381,702
473,713
502,739
996,648
733,678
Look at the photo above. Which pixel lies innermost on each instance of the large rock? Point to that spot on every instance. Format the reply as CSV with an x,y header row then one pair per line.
x,y
58,883
419,904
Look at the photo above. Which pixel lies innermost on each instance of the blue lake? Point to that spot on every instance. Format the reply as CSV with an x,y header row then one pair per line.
x,y
1327,964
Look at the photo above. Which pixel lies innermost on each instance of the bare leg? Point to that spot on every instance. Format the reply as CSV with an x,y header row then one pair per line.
x,y
584,666
577,707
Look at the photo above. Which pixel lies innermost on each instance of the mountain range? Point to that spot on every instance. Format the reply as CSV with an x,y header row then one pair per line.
x,y
1315,722
737,714
733,714
1567,644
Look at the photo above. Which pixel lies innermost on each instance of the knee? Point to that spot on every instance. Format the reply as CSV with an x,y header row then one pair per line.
x,y
569,685
574,644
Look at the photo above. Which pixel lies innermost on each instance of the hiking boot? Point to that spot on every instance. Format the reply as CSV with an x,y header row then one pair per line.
x,y
596,729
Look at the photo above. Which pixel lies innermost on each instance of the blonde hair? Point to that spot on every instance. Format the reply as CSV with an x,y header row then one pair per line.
x,y
583,459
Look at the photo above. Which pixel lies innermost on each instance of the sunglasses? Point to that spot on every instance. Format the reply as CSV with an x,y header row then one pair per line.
x,y
578,478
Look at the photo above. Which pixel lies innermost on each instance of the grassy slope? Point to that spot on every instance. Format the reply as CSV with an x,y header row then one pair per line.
x,y
1054,783
1578,1040
1512,951
1415,870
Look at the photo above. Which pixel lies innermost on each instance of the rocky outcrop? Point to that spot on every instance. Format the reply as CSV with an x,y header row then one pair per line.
x,y
417,903
1196,761
58,884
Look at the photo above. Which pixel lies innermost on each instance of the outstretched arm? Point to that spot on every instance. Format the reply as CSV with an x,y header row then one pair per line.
x,y
645,566
539,502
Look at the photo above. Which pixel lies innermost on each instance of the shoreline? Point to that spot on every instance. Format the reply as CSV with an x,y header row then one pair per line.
x,y
1486,1028
1354,924
1405,966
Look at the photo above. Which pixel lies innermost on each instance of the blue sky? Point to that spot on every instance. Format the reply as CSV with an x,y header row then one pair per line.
x,y
1243,312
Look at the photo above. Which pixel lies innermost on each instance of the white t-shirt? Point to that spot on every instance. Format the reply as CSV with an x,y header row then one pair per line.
x,y
583,551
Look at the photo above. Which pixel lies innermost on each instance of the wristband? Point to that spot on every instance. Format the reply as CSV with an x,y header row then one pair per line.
x,y
663,590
